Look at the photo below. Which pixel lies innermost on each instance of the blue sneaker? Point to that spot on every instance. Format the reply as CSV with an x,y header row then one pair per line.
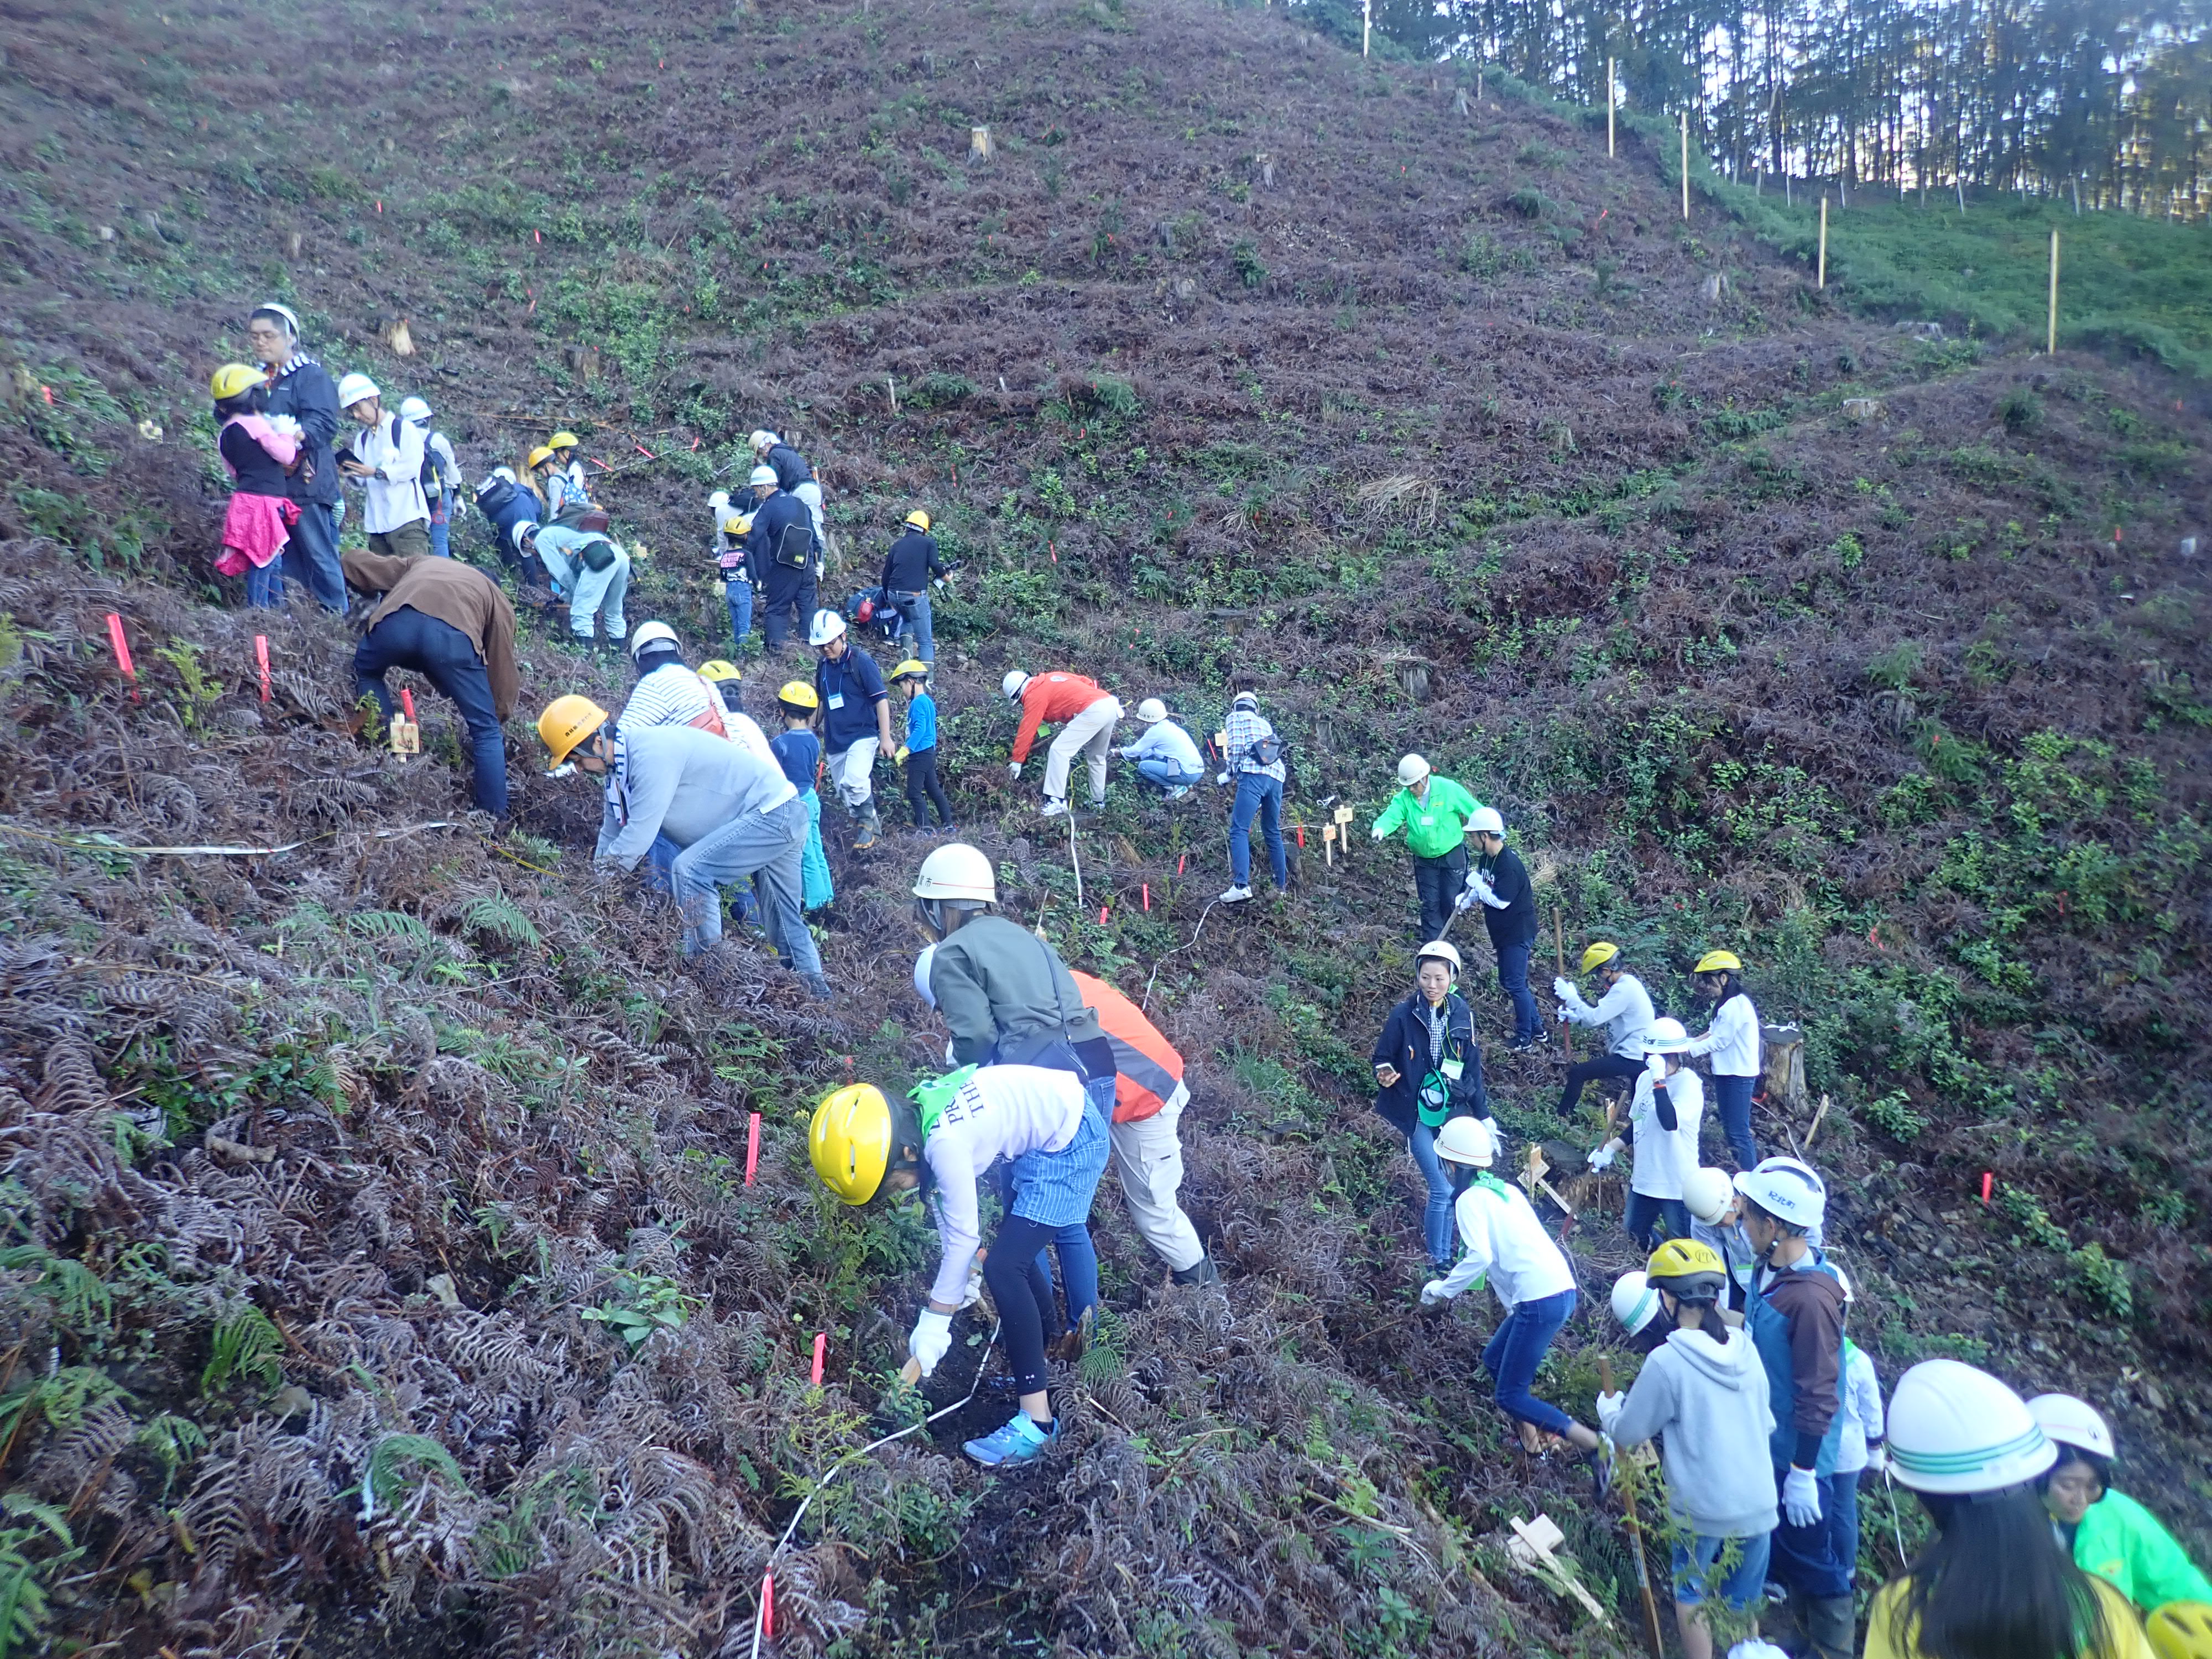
x,y
1018,1443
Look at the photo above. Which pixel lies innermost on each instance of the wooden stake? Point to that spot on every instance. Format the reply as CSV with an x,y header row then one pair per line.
x,y
2050,328
1344,832
1823,280
1366,24
1636,1538
1685,166
891,386
1610,98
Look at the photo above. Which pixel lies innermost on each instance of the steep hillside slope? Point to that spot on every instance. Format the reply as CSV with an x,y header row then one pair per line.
x,y
1867,654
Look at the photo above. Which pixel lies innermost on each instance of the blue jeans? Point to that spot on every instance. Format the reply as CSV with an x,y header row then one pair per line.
x,y
766,845
447,658
1516,1349
1732,1101
1257,793
1513,980
1744,1585
315,539
739,594
1643,1211
1438,1229
661,860
441,519
265,586
915,607
1806,1559
1165,774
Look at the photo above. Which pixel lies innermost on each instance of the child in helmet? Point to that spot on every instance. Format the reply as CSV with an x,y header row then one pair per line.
x,y
1041,1122
1636,1306
918,753
1705,1391
2110,1534
1501,1240
799,751
256,449
731,526
1732,1039
1716,1222
1993,1579
1663,1115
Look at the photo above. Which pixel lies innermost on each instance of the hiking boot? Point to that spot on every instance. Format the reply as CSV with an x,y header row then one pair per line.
x,y
1022,1439
1053,809
1829,1622
819,988
1203,1272
1236,896
1526,1046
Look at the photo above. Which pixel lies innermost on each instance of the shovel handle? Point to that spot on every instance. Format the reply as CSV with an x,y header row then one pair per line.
x,y
1605,1373
910,1373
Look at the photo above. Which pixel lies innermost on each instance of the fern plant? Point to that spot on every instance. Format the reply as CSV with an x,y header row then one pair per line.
x,y
82,1303
389,924
385,1482
23,1577
173,1442
496,915
246,1347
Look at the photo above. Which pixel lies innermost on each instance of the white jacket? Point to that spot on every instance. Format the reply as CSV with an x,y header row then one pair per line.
x,y
1861,1412
1169,741
394,486
1733,1039
1625,1012
1664,1156
1002,1111
1499,1233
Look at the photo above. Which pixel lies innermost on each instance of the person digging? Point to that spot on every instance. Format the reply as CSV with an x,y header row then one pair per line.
x,y
1041,1122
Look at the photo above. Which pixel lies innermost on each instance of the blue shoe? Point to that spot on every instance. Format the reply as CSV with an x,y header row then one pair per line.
x,y
1018,1443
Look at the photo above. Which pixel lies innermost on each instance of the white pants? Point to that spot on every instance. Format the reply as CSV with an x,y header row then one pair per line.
x,y
854,768
1090,733
1148,1157
588,590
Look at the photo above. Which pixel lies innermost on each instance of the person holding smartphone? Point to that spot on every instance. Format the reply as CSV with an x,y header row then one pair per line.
x,y
1427,1068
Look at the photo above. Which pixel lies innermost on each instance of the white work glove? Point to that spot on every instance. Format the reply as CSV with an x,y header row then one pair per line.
x,y
1014,770
1877,1457
1755,1649
950,1062
1433,1293
1378,832
975,1291
932,1339
1223,779
1603,1156
1563,987
1608,1407
1655,1065
1800,1496
1465,899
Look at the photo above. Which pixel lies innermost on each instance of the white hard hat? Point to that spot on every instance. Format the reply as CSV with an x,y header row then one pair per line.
x,y
1442,950
921,965
1788,1189
762,475
355,388
522,532
1486,821
506,472
414,409
826,626
720,498
1466,1140
1665,1036
1152,711
1635,1303
2073,1422
1412,769
762,439
1707,1193
649,633
958,871
1012,684
291,318
1954,1428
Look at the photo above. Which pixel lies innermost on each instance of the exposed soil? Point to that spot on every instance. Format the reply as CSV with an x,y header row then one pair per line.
x,y
1238,352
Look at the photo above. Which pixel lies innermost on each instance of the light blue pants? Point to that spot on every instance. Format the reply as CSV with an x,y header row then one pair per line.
x,y
589,592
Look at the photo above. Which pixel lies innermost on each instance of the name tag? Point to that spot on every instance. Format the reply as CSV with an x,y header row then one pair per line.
x,y
836,700
1428,820
1453,1068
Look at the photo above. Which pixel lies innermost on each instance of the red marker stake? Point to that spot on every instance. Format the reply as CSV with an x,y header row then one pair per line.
x,y
1148,895
261,653
538,236
407,701
1989,1184
821,1347
1180,862
122,652
752,1148
768,1606
1101,916
1302,837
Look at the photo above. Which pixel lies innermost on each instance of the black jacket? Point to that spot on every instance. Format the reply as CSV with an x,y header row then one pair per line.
x,y
309,396
770,519
1405,1044
791,468
911,563
1509,880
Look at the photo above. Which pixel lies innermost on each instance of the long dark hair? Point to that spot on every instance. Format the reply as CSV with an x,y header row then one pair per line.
x,y
1995,1583
1731,986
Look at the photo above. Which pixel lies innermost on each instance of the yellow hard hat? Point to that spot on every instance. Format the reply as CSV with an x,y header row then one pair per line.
x,y
1718,962
918,519
567,722
797,694
564,441
1599,954
850,1141
721,668
912,668
2181,1630
1684,1268
234,378
539,456
744,524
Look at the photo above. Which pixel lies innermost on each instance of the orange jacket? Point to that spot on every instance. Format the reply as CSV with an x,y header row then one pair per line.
x,y
1048,699
1146,1068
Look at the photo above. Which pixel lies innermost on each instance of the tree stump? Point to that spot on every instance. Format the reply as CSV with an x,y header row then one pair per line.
x,y
979,140
1784,1063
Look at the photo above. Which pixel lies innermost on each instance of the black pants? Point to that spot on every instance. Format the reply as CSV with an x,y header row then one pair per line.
x,y
787,595
1590,1071
408,639
1028,1309
1439,881
920,779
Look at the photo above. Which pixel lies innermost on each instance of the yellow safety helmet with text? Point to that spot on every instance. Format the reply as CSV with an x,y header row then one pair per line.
x,y
1599,954
567,722
564,441
720,668
539,456
798,694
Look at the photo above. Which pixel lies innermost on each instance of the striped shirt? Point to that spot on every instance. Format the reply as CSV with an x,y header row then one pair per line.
x,y
673,695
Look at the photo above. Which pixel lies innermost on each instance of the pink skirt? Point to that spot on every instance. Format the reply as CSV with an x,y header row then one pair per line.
x,y
254,531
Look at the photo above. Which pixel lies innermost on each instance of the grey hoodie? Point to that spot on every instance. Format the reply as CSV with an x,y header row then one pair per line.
x,y
1708,1399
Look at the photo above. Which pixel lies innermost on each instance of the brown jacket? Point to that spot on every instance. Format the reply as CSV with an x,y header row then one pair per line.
x,y
455,594
1813,1303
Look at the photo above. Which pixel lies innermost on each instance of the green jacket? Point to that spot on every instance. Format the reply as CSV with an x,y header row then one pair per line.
x,y
2123,1542
1433,827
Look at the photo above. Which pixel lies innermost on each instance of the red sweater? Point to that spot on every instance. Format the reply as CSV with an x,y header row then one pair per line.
x,y
1048,700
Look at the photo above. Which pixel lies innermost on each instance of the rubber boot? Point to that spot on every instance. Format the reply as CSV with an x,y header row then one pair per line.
x,y
1202,1272
871,826
1830,1622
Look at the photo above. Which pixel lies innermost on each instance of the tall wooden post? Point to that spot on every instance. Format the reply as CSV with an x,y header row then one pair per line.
x,y
2050,328
1366,24
1823,279
1686,165
1612,97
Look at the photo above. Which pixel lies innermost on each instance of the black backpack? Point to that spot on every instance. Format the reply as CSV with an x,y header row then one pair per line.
x,y
795,548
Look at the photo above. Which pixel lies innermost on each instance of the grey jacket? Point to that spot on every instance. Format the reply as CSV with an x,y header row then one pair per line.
x,y
1710,1403
683,782
1006,994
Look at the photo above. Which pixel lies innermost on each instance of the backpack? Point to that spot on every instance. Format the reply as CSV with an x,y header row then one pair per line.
x,y
1266,749
795,548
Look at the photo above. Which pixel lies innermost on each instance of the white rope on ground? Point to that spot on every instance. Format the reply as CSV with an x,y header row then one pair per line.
x,y
760,1608
1145,1001
100,841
